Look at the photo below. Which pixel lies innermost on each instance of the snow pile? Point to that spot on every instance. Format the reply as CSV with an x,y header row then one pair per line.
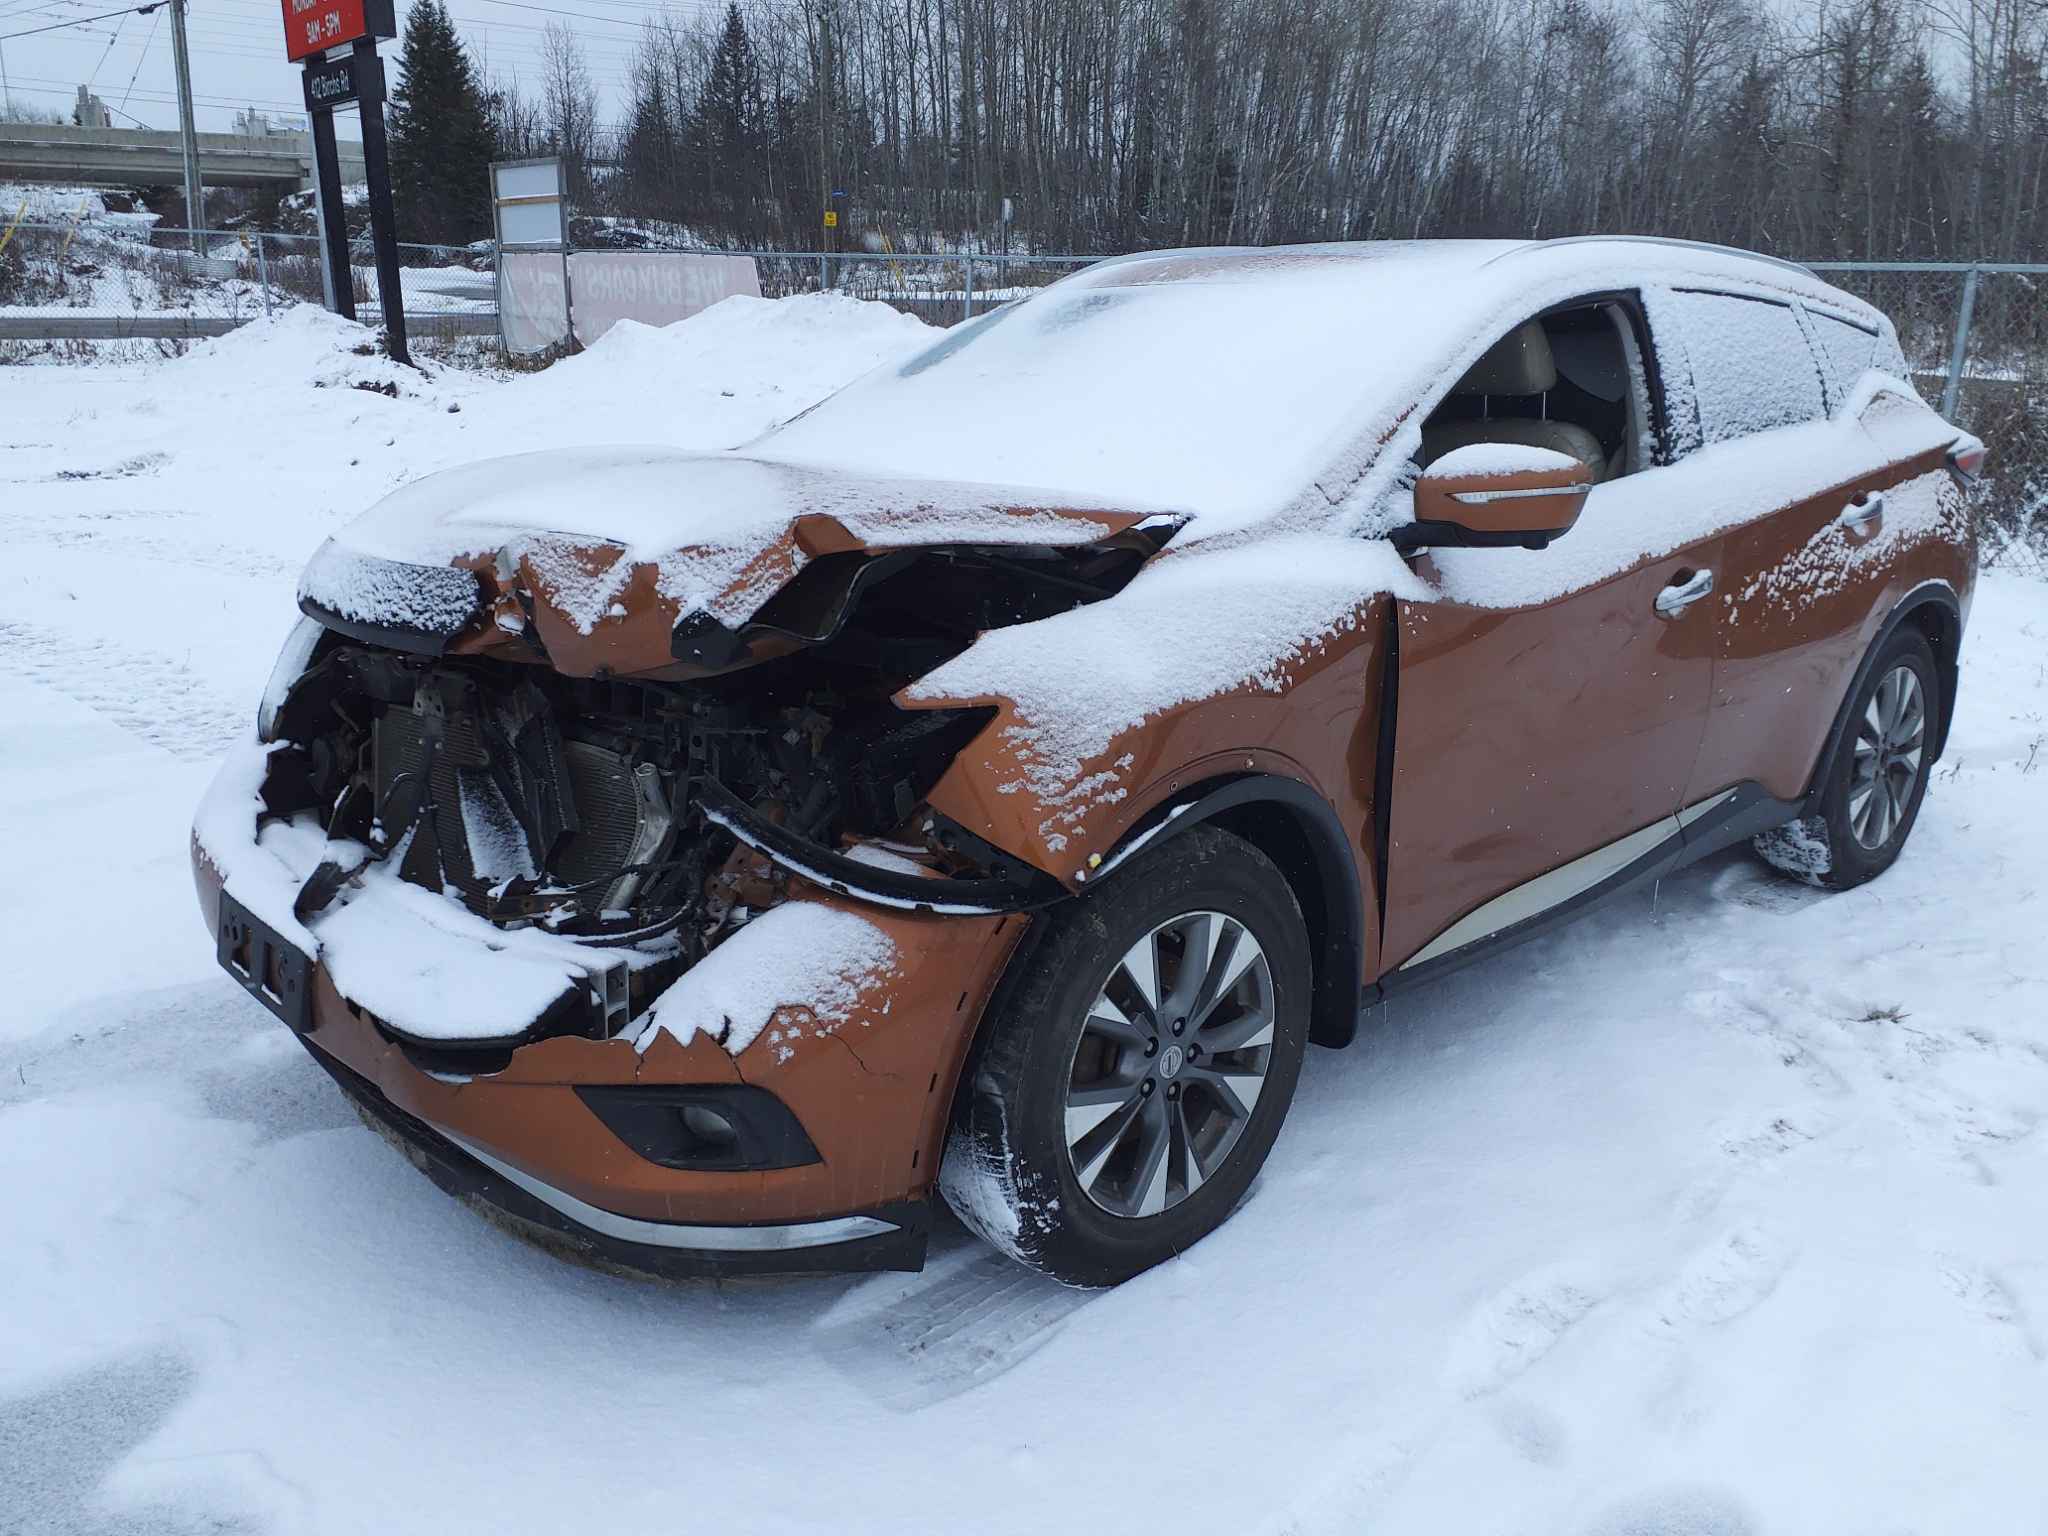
x,y
801,966
305,346
714,380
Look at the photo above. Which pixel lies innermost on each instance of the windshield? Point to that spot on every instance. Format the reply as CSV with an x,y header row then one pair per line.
x,y
1221,397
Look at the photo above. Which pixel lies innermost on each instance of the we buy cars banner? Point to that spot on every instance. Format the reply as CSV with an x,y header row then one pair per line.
x,y
314,26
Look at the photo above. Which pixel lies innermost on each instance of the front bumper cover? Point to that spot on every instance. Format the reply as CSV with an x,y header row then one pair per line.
x,y
889,1237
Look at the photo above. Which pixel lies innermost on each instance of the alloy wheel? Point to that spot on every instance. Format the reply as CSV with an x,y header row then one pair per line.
x,y
1890,740
1170,1064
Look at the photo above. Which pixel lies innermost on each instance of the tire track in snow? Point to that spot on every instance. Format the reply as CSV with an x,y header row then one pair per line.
x,y
107,536
150,696
951,1329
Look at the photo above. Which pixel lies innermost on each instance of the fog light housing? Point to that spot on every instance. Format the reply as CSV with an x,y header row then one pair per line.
x,y
704,1128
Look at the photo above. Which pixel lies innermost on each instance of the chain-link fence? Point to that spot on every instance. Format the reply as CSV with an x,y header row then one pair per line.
x,y
1976,339
93,287
939,288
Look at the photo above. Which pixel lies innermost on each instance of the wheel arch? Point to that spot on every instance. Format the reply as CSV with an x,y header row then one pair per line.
x,y
1299,831
1933,610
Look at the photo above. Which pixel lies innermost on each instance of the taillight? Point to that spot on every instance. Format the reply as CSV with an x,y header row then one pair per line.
x,y
1966,461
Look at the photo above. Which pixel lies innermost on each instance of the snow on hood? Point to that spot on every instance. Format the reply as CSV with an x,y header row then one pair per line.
x,y
705,520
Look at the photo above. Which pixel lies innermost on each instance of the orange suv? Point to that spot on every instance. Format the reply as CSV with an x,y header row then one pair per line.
x,y
988,783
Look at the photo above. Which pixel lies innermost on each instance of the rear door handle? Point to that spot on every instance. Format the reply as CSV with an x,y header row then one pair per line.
x,y
1688,589
1863,514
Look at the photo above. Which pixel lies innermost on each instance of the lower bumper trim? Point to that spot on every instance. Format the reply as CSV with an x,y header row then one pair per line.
x,y
667,1234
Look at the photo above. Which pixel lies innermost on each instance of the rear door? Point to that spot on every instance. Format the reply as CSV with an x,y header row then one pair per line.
x,y
1804,584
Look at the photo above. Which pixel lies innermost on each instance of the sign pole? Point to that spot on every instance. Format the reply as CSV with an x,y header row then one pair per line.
x,y
383,218
340,276
335,79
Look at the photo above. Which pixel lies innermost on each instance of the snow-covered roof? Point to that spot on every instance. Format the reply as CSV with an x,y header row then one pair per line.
x,y
1232,383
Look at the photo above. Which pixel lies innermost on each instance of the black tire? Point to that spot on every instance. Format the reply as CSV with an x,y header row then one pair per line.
x,y
1009,1173
1861,824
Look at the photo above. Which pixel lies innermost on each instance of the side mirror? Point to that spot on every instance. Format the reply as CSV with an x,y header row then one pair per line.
x,y
1490,494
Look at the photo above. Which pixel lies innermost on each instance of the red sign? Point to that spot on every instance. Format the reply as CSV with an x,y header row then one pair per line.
x,y
314,26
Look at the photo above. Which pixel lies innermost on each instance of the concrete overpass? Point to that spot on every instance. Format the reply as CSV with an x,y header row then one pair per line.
x,y
143,157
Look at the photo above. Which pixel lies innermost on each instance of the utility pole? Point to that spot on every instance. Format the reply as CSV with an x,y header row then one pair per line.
x,y
827,216
195,195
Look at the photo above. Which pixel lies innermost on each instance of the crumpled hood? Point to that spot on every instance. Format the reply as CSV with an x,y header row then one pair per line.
x,y
603,552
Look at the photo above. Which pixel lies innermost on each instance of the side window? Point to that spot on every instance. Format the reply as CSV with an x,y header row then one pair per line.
x,y
1569,380
1750,369
1847,351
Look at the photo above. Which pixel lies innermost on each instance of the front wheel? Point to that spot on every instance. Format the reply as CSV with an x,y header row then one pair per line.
x,y
1134,1073
1879,776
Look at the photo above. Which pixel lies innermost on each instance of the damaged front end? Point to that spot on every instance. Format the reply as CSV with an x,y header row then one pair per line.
x,y
665,809
505,879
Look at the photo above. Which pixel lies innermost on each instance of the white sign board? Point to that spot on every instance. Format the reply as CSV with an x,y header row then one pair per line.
x,y
653,287
537,289
530,202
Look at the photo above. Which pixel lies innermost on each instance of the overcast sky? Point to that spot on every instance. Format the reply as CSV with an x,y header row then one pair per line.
x,y
238,53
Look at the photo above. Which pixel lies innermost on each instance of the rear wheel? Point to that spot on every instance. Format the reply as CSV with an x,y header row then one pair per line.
x,y
1877,780
1135,1072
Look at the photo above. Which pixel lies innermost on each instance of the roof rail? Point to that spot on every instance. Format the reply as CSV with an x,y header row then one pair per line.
x,y
1686,245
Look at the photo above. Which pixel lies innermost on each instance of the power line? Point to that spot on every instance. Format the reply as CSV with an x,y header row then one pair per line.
x,y
106,51
153,20
79,21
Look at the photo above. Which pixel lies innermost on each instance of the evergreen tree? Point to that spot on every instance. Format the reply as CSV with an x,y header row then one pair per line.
x,y
729,128
649,155
442,141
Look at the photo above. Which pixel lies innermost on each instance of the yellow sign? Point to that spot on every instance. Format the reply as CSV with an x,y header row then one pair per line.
x,y
831,218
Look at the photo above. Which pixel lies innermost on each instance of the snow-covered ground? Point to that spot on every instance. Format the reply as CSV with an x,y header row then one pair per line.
x,y
1722,1212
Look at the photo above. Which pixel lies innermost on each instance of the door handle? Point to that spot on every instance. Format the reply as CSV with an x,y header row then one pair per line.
x,y
1863,514
1688,589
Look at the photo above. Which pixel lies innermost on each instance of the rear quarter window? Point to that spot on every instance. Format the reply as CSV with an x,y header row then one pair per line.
x,y
1747,365
1847,352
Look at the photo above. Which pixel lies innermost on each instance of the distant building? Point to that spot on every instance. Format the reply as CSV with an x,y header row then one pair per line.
x,y
252,124
91,112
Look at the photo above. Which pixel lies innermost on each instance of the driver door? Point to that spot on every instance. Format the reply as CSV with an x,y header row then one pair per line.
x,y
1550,703
1543,747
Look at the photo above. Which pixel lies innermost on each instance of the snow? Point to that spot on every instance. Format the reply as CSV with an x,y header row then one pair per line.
x,y
1128,380
801,966
1500,459
707,519
1188,626
1720,1211
1749,363
424,964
